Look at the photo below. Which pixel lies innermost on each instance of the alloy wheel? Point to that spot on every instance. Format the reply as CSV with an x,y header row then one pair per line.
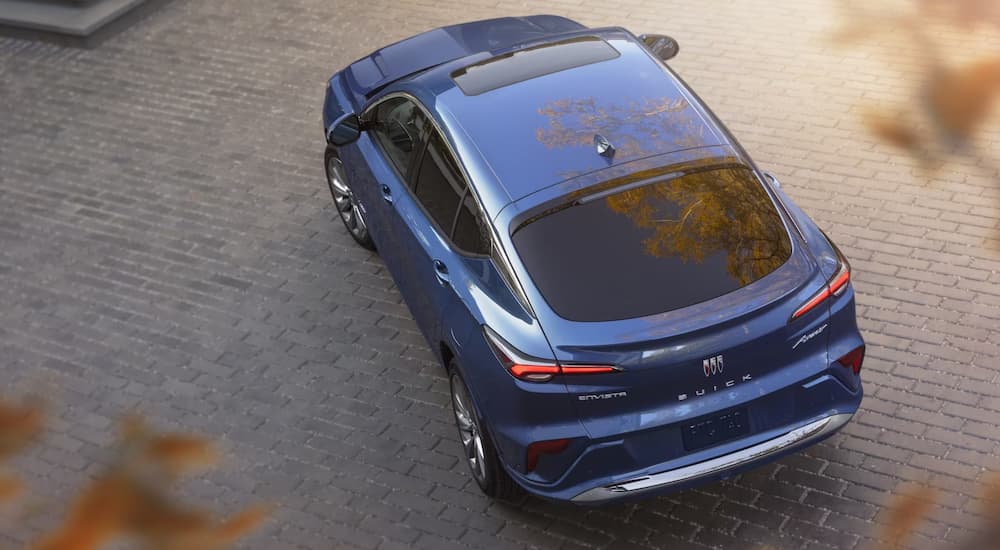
x,y
469,430
343,198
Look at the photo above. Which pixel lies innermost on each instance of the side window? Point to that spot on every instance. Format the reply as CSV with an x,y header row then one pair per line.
x,y
400,128
439,186
471,234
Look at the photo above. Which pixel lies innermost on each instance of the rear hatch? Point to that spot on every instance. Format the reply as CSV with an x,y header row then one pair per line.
x,y
686,283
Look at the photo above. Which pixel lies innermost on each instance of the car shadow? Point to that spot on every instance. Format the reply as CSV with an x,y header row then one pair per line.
x,y
786,504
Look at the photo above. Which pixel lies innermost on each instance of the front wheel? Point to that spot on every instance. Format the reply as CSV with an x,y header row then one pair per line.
x,y
347,205
478,450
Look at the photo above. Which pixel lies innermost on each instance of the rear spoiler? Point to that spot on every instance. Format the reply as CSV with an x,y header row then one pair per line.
x,y
435,47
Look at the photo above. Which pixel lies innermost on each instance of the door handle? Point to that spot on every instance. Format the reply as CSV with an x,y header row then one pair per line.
x,y
441,272
386,193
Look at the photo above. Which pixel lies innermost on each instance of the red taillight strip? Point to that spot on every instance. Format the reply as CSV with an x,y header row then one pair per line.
x,y
813,302
588,369
544,373
834,287
523,371
840,280
531,369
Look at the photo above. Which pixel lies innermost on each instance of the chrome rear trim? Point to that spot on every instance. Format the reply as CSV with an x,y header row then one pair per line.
x,y
708,468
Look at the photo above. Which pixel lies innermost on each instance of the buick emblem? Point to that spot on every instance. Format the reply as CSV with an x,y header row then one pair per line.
x,y
712,365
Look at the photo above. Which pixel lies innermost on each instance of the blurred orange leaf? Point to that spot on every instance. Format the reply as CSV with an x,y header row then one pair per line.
x,y
960,99
119,505
133,499
892,131
991,498
10,488
243,523
19,424
97,515
178,453
964,12
906,513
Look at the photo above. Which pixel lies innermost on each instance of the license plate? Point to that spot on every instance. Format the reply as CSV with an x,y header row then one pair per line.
x,y
716,429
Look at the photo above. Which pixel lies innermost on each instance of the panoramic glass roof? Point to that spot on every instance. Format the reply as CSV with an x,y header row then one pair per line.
x,y
541,131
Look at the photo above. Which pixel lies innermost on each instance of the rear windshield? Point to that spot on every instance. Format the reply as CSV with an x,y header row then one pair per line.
x,y
644,249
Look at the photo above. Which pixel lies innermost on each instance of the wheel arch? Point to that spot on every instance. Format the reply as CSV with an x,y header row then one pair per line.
x,y
446,355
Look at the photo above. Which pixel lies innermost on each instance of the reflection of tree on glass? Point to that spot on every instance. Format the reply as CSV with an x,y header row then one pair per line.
x,y
635,128
654,240
706,211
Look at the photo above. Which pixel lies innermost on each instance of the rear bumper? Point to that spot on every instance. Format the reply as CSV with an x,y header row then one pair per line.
x,y
709,469
637,464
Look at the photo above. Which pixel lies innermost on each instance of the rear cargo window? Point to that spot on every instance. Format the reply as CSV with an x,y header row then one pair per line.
x,y
642,250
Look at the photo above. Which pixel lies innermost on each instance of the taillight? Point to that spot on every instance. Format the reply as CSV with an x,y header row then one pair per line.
x,y
853,359
538,448
834,287
531,369
533,373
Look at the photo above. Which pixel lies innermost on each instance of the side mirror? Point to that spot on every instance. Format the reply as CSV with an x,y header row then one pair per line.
x,y
661,45
345,130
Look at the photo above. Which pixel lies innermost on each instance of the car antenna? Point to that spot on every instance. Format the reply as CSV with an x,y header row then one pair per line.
x,y
604,147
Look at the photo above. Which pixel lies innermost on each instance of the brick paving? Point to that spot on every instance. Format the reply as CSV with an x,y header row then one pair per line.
x,y
167,242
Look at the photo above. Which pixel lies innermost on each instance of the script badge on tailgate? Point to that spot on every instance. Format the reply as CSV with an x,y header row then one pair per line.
x,y
602,396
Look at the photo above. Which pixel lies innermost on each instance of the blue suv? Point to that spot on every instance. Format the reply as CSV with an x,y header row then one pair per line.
x,y
624,303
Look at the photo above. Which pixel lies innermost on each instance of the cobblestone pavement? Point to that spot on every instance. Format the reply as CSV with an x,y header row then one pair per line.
x,y
167,242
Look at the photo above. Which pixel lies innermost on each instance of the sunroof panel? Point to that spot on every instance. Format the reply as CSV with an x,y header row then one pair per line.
x,y
529,63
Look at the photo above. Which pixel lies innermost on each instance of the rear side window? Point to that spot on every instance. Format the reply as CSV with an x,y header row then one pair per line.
x,y
641,250
439,185
442,190
470,233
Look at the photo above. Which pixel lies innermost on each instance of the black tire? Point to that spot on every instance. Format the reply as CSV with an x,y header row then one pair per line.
x,y
492,478
343,199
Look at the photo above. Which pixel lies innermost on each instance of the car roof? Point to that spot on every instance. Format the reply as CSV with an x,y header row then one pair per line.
x,y
531,133
434,47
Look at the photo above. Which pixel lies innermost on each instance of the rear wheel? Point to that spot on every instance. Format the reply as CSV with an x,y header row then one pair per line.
x,y
343,198
477,446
